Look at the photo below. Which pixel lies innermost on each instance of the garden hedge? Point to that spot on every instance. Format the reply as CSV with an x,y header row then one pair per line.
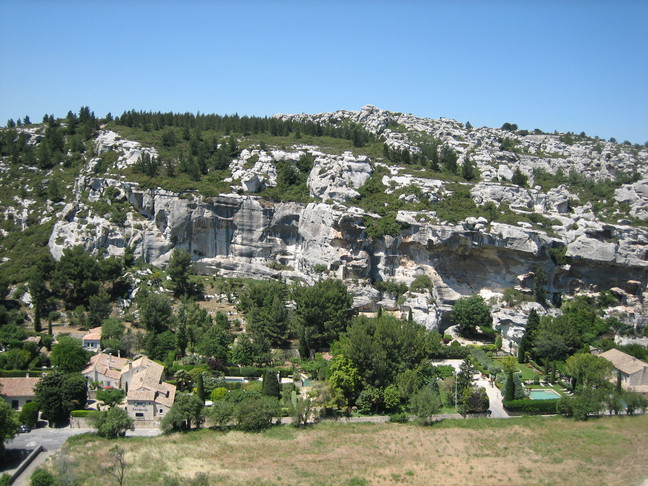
x,y
526,405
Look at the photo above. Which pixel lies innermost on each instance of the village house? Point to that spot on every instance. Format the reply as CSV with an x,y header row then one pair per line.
x,y
633,371
147,396
105,370
92,340
18,391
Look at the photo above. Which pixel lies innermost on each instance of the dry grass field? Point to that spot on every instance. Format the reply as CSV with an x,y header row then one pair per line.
x,y
524,451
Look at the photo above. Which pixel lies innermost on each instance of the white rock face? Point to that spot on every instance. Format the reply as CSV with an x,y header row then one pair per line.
x,y
130,151
636,195
245,236
338,178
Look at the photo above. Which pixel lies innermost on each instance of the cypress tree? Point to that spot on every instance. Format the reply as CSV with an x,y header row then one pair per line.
x,y
271,384
200,386
509,391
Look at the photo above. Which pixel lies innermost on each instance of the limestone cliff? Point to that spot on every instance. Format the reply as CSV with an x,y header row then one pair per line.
x,y
241,234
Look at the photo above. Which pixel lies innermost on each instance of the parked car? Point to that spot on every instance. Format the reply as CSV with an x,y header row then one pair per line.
x,y
23,429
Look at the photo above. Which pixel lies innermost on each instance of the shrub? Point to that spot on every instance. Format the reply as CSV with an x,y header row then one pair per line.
x,y
249,372
254,414
29,414
526,405
421,283
81,413
42,477
400,418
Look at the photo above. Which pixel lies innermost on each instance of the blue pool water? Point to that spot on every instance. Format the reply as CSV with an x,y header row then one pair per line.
x,y
543,395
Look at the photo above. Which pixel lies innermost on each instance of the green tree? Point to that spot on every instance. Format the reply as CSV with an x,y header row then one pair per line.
x,y
540,286
469,313
111,396
38,292
222,412
533,321
344,378
180,269
425,404
215,343
589,371
155,312
247,352
475,400
550,347
147,165
324,309
99,307
187,409
256,413
266,313
112,423
271,386
469,170
635,402
76,277
68,355
509,393
57,394
381,348
448,159
29,414
8,425
519,178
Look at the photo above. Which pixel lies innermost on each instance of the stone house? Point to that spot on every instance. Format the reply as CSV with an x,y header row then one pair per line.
x,y
18,391
92,340
105,369
633,371
147,396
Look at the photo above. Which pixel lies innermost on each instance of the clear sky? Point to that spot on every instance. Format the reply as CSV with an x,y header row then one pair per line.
x,y
554,65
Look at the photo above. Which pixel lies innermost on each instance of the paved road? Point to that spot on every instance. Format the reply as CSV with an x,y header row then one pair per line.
x,y
495,398
52,440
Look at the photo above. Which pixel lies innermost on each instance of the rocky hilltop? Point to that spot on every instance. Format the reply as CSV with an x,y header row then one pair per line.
x,y
570,207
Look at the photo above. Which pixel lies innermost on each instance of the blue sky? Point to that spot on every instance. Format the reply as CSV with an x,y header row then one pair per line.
x,y
566,66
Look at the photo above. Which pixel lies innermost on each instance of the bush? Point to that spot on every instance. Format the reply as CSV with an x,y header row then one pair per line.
x,y
113,423
29,414
245,371
81,413
526,405
421,283
254,414
42,477
400,418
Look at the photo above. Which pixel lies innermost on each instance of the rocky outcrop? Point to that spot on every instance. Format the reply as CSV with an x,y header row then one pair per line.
x,y
245,236
338,178
239,234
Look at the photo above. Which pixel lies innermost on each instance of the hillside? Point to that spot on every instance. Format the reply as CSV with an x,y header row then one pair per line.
x,y
381,200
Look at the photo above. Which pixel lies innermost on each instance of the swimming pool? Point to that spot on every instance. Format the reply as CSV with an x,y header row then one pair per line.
x,y
538,394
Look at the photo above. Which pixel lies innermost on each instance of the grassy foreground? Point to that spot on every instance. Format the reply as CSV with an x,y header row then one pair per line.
x,y
530,450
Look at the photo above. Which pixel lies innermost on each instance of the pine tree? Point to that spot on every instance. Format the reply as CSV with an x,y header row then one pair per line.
x,y
468,169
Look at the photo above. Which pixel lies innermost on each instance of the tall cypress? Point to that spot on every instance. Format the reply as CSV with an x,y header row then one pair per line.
x,y
271,384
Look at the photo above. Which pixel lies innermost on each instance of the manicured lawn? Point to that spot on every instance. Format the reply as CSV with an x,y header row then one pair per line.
x,y
528,371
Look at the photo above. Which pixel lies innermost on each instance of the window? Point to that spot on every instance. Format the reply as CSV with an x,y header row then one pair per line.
x,y
14,404
139,414
161,411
